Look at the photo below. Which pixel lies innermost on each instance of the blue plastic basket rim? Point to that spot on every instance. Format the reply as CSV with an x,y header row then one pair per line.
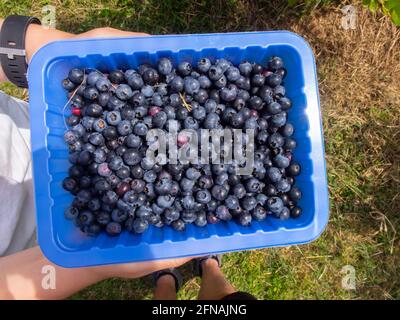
x,y
95,256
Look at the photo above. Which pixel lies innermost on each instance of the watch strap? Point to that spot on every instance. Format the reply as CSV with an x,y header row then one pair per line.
x,y
12,48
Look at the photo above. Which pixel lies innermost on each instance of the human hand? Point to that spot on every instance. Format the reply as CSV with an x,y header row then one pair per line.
x,y
37,36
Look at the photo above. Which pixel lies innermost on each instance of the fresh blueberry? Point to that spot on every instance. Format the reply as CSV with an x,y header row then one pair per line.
x,y
200,96
188,202
259,213
222,213
239,191
281,161
150,176
257,68
248,203
245,68
261,199
159,119
86,218
103,84
295,212
232,202
71,213
199,113
93,76
278,120
203,196
123,172
204,65
116,76
273,108
287,130
258,80
104,170
163,186
282,72
113,118
123,92
178,225
165,201
140,129
245,219
102,185
223,64
211,121
229,93
150,76
275,205
295,194
184,68
215,72
99,155
275,63
191,85
139,99
279,92
72,120
276,140
274,174
284,214
177,84
232,74
192,174
68,84
243,83
219,192
188,216
294,169
103,218
147,91
290,144
119,216
164,66
133,141
171,214
90,93
76,75
124,127
274,80
253,185
201,219
221,82
122,188
113,228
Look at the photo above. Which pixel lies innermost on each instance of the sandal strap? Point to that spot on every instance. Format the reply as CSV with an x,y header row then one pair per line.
x,y
171,271
198,268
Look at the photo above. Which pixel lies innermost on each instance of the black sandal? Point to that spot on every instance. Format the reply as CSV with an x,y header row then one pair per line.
x,y
173,272
198,271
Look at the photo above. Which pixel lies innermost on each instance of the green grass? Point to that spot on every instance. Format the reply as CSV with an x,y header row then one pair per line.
x,y
361,146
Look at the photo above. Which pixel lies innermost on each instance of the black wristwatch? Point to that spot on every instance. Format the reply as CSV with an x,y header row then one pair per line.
x,y
12,48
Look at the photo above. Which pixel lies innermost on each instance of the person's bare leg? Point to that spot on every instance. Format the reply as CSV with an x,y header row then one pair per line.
x,y
214,286
165,288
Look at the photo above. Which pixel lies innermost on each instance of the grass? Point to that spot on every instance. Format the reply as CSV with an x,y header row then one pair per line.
x,y
359,80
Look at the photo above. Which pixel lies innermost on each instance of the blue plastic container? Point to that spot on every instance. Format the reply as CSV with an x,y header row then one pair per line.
x,y
65,245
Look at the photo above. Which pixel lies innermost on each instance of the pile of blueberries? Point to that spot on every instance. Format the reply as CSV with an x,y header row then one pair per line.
x,y
116,187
